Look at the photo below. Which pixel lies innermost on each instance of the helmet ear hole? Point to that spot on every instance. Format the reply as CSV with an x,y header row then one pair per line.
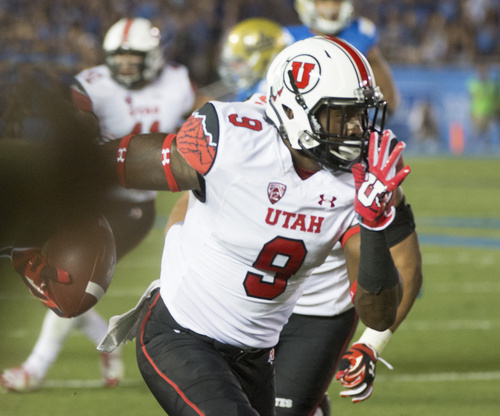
x,y
288,111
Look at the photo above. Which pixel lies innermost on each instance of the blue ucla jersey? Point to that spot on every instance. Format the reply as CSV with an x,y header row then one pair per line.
x,y
259,88
361,32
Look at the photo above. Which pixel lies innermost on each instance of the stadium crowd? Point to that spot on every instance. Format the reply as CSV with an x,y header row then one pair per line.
x,y
66,35
59,38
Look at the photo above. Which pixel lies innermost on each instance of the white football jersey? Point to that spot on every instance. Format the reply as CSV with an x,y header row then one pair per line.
x,y
326,292
157,107
235,267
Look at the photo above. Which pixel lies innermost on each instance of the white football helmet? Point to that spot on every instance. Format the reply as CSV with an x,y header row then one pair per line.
x,y
248,50
318,74
134,36
316,16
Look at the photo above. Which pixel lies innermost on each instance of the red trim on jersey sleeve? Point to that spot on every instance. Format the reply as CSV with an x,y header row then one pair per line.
x,y
120,159
353,289
348,234
165,161
196,144
81,100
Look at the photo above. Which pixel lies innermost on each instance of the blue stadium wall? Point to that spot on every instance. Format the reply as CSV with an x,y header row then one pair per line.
x,y
446,91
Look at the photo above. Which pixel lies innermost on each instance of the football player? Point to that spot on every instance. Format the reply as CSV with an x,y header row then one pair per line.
x,y
337,18
135,91
324,319
246,51
325,301
272,195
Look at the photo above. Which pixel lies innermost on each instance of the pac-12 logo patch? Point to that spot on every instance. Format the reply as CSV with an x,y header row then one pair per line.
x,y
275,191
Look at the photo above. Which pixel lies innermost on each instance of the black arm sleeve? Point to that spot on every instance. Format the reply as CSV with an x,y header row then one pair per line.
x,y
402,226
376,267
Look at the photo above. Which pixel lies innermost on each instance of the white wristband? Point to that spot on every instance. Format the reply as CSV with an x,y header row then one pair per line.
x,y
376,339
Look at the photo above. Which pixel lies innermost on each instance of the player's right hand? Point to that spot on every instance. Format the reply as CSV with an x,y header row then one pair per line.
x,y
375,185
35,271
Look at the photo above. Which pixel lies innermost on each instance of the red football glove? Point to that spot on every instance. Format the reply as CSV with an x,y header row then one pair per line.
x,y
356,372
34,270
374,197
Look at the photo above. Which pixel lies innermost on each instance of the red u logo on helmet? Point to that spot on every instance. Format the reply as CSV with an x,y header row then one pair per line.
x,y
302,73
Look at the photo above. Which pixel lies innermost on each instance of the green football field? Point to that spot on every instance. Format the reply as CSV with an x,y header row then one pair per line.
x,y
445,355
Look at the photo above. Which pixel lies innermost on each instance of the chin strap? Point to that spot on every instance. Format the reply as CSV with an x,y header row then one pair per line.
x,y
298,96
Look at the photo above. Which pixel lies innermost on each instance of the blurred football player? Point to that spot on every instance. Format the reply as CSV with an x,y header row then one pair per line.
x,y
40,166
272,194
258,38
246,53
337,18
323,322
136,91
324,319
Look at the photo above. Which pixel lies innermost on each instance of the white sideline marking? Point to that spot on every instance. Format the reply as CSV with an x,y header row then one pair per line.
x,y
487,288
402,378
439,377
408,325
86,384
451,325
477,287
465,287
462,257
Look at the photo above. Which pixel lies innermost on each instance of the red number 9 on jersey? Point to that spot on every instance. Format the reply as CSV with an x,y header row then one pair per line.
x,y
281,255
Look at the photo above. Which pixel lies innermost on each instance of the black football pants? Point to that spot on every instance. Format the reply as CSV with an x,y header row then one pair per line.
x,y
190,374
306,358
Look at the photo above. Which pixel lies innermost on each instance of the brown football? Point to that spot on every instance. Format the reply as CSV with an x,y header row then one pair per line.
x,y
86,250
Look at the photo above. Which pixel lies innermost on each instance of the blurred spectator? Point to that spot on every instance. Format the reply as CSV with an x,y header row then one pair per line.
x,y
483,100
434,43
496,79
487,36
424,129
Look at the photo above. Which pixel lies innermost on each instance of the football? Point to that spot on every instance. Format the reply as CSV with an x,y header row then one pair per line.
x,y
86,250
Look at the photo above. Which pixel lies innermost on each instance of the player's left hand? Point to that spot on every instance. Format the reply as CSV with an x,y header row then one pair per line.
x,y
35,270
375,185
356,372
